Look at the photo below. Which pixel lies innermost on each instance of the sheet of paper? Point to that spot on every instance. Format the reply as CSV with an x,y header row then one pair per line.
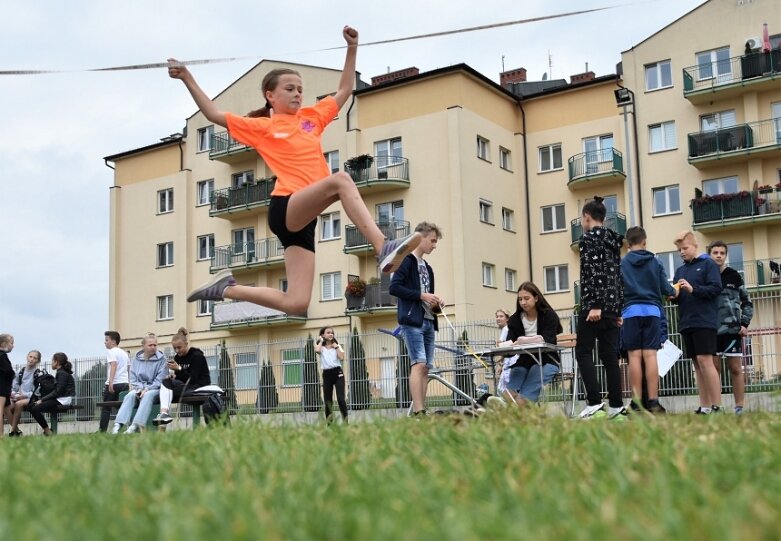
x,y
666,357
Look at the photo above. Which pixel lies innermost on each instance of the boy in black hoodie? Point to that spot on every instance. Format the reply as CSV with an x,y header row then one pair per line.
x,y
601,301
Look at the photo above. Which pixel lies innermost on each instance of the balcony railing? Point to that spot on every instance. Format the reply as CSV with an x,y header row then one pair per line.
x,y
376,297
263,252
246,196
355,241
738,208
223,145
748,138
596,164
737,71
759,273
378,170
241,314
614,220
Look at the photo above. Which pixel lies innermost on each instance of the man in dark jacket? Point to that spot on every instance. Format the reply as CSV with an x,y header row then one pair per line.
x,y
416,310
601,301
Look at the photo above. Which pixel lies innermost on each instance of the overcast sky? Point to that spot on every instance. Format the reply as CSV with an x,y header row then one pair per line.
x,y
54,186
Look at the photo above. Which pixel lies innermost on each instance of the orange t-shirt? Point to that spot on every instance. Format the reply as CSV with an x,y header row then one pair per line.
x,y
289,144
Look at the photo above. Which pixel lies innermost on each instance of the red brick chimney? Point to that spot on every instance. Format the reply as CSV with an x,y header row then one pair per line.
x,y
582,77
394,76
512,76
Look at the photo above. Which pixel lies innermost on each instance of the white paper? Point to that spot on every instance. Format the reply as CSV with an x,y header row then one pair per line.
x,y
666,357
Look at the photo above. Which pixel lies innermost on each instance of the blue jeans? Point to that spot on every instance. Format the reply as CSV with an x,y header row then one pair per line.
x,y
144,408
420,343
526,381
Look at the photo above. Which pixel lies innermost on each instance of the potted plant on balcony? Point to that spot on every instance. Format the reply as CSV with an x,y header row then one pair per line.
x,y
721,206
355,293
357,166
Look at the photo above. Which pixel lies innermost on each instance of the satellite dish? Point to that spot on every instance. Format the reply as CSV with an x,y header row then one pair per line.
x,y
545,76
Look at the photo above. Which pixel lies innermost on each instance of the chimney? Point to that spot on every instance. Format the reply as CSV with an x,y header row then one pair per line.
x,y
582,77
394,76
512,76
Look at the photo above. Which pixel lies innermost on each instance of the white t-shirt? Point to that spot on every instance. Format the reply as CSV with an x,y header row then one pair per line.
x,y
119,356
529,327
328,358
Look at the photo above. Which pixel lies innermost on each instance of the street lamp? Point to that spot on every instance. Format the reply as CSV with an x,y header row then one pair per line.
x,y
625,98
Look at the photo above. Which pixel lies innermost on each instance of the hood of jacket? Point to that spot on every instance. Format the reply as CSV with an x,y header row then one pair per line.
x,y
638,258
158,356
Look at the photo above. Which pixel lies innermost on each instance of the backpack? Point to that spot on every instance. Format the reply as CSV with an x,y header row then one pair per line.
x,y
45,383
216,409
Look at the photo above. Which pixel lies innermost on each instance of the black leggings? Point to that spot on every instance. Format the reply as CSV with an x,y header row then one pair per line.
x,y
334,377
606,331
38,411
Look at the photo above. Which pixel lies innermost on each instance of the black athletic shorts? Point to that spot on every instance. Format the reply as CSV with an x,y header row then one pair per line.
x,y
699,342
730,345
277,214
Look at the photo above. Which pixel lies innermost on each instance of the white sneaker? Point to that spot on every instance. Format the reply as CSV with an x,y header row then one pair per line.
x,y
495,403
116,429
617,414
132,429
592,411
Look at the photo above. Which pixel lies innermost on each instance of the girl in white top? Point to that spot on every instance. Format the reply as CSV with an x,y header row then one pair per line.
x,y
331,356
504,377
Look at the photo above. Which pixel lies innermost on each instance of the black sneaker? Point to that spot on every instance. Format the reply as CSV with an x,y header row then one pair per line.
x,y
699,411
15,434
656,408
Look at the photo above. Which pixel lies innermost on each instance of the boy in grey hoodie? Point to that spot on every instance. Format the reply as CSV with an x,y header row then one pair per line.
x,y
146,375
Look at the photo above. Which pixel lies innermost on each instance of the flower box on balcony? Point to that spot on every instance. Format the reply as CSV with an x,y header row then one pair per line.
x,y
357,166
722,206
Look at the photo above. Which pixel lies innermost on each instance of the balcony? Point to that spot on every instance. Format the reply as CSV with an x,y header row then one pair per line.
x,y
250,255
356,243
735,143
761,273
378,173
595,168
242,314
754,72
243,200
614,220
736,210
226,149
376,300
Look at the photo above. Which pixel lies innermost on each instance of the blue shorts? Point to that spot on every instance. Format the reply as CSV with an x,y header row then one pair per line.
x,y
641,332
420,343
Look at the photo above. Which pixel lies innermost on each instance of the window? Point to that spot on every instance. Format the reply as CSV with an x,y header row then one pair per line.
x,y
330,286
247,376
387,152
775,114
165,201
165,254
387,212
205,191
611,205
718,186
598,149
205,308
556,279
667,200
205,247
550,157
714,64
504,159
510,279
662,137
240,179
658,75
486,212
553,218
214,368
735,258
715,121
483,151
283,284
332,159
165,307
488,275
670,261
330,226
292,367
244,244
508,219
205,138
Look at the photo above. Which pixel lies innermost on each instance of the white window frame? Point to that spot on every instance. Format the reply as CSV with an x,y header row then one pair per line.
x,y
483,148
205,138
658,68
720,185
510,279
505,161
489,271
668,138
165,201
241,179
562,283
669,261
165,307
672,193
556,226
332,159
330,281
486,212
508,219
330,226
205,248
204,192
299,361
393,209
550,151
715,64
283,284
165,254
205,308
387,153
247,370
718,120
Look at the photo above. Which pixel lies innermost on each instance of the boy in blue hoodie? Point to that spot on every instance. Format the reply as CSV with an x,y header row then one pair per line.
x,y
699,284
645,282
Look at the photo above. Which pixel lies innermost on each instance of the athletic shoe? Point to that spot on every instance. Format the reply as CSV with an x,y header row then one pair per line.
x,y
591,411
132,429
116,429
14,433
394,251
700,411
738,411
656,408
617,414
495,403
162,419
214,289
716,409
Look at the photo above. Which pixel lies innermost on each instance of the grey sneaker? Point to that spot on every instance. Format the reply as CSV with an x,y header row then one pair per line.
x,y
394,251
213,289
162,419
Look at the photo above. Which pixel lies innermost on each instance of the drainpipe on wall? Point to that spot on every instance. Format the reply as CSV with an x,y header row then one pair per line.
x,y
526,185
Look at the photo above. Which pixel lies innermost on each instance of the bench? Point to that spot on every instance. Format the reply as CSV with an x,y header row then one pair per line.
x,y
196,401
54,415
118,403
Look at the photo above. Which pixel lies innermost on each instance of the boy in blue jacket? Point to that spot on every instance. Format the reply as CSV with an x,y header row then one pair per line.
x,y
417,308
699,283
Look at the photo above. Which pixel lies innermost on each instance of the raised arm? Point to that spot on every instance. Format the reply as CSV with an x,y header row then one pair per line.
x,y
347,81
176,70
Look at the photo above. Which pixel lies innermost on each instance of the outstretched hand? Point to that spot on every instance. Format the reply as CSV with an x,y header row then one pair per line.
x,y
350,35
177,70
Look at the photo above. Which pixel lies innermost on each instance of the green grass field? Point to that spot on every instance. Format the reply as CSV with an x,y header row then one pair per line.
x,y
503,476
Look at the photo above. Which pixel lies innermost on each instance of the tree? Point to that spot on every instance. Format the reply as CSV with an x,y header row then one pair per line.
x,y
310,395
89,390
464,376
403,397
225,378
360,397
268,397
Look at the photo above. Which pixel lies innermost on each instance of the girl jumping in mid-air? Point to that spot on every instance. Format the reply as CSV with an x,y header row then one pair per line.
x,y
287,137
